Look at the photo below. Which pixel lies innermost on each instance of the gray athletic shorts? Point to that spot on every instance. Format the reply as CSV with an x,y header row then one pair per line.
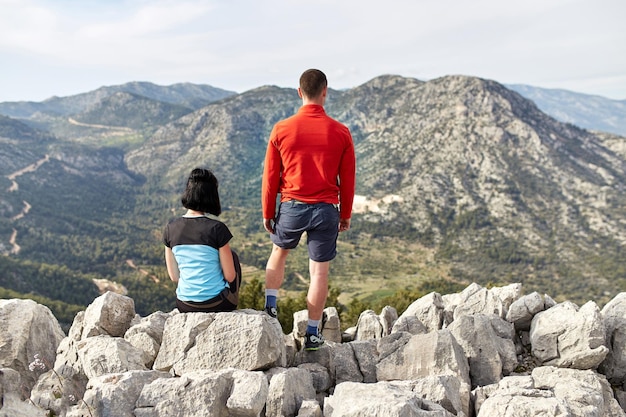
x,y
320,221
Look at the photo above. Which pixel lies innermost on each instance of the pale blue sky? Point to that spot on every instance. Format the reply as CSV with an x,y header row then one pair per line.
x,y
65,47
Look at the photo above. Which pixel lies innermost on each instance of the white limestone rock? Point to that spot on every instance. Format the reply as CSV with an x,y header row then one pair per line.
x,y
569,337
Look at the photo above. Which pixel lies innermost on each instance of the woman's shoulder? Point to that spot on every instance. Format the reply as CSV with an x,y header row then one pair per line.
x,y
212,218
178,219
208,220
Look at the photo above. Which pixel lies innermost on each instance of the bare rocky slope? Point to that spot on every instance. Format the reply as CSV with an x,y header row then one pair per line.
x,y
478,171
489,188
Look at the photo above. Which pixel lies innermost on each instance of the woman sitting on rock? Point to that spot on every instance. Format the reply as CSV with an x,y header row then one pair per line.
x,y
197,253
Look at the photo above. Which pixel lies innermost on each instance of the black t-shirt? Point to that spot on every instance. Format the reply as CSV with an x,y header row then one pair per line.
x,y
195,242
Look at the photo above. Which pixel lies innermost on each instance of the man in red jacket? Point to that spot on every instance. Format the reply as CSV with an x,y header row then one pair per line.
x,y
310,161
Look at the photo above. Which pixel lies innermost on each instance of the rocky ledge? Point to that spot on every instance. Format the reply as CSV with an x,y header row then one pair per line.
x,y
481,352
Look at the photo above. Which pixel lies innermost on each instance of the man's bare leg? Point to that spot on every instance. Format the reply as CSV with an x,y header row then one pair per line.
x,y
318,289
274,275
275,268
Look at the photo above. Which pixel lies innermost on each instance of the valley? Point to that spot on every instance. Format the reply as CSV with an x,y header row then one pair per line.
x,y
459,180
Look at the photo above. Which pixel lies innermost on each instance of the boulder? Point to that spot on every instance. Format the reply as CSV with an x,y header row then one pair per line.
x,y
355,361
310,408
68,364
115,394
344,365
450,302
429,311
523,310
248,395
478,300
434,353
204,393
445,390
27,329
325,356
11,402
390,344
388,317
243,339
103,355
614,365
110,314
569,337
368,326
382,399
288,389
487,341
549,391
66,379
319,375
147,335
409,324
179,335
366,355
507,294
56,392
583,390
331,325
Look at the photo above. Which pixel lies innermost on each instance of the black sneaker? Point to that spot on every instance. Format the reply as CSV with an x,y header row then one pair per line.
x,y
313,341
271,311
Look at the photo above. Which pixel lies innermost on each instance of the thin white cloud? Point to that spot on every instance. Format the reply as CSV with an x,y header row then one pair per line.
x,y
90,37
148,21
58,46
23,23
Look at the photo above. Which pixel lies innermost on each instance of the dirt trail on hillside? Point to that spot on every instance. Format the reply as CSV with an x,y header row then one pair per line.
x,y
12,241
15,248
24,211
30,168
118,128
131,263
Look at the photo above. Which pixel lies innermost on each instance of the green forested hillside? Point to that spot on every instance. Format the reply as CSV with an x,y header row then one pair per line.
x,y
459,180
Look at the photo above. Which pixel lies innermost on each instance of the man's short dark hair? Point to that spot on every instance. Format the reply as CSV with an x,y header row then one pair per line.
x,y
312,82
201,192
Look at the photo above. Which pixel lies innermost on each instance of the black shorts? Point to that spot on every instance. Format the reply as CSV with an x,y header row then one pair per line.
x,y
320,221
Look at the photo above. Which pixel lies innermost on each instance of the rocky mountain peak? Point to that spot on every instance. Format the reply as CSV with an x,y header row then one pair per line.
x,y
464,162
477,176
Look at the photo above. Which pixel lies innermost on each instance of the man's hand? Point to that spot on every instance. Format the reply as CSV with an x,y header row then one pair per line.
x,y
344,224
268,224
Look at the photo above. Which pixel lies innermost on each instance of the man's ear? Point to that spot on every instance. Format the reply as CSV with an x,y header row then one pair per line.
x,y
323,95
300,93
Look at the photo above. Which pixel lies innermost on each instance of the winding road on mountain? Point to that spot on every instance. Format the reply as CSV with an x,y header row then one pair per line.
x,y
15,248
119,128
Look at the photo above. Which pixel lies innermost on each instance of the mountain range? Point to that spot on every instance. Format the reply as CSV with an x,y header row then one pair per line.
x,y
458,179
591,112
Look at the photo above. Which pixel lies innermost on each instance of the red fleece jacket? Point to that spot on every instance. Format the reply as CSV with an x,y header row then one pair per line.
x,y
310,158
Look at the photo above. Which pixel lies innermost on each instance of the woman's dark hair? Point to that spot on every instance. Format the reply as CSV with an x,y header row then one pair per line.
x,y
312,82
201,192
